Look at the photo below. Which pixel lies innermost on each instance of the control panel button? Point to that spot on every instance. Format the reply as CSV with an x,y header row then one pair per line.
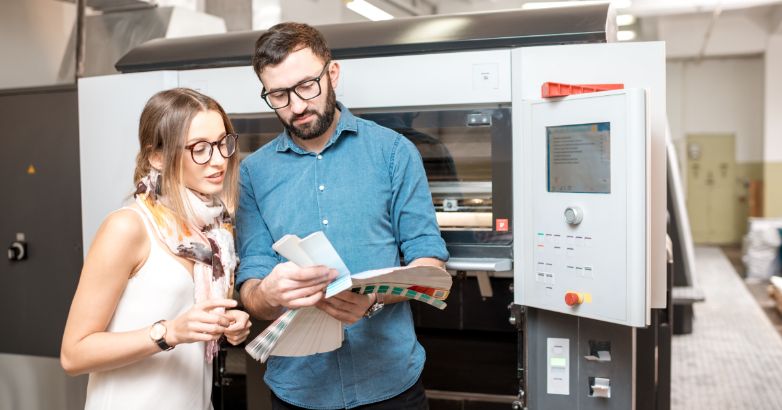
x,y
574,298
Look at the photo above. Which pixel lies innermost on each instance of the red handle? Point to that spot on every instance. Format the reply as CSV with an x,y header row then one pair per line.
x,y
551,89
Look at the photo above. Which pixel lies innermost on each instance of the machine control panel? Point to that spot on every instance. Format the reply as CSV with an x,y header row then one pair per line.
x,y
581,190
558,366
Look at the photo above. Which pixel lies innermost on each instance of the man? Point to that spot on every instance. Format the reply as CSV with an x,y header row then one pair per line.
x,y
364,186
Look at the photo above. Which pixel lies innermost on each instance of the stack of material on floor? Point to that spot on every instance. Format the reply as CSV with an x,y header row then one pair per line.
x,y
761,248
775,290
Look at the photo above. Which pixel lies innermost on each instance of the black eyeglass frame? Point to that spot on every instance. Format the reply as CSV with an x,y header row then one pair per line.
x,y
212,146
316,80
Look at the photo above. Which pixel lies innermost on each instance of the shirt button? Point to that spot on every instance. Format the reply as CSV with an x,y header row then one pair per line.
x,y
320,156
321,188
325,222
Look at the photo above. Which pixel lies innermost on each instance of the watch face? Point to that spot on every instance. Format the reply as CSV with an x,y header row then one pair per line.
x,y
157,332
374,309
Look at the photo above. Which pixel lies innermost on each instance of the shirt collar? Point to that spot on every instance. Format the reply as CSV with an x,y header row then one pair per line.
x,y
347,123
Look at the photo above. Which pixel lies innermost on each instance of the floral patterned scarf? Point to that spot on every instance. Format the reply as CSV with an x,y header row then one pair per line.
x,y
210,245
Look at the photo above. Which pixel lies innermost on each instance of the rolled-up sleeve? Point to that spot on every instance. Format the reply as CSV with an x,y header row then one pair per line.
x,y
411,206
254,242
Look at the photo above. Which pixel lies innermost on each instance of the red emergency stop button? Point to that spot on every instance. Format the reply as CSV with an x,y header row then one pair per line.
x,y
574,298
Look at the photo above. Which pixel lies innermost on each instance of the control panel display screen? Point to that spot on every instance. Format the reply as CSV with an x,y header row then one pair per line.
x,y
579,158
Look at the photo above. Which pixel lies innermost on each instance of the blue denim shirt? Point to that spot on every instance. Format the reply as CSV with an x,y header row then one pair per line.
x,y
367,191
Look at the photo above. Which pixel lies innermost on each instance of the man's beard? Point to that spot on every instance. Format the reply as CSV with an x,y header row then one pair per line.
x,y
319,126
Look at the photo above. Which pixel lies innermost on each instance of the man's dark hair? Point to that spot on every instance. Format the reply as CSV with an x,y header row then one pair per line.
x,y
282,39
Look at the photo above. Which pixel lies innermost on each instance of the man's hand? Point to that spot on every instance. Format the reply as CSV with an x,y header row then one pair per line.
x,y
346,306
293,287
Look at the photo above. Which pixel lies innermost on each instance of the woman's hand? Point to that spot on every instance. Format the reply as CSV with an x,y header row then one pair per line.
x,y
199,324
239,328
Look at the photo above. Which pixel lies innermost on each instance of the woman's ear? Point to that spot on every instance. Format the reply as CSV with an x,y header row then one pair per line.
x,y
156,160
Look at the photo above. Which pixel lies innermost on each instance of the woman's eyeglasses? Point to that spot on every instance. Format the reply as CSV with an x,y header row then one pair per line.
x,y
201,151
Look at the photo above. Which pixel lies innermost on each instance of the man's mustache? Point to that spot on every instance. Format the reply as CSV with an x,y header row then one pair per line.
x,y
304,114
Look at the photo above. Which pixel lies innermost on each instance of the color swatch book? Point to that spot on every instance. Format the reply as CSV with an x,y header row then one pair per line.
x,y
306,331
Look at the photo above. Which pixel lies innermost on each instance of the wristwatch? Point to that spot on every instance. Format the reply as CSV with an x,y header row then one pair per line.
x,y
158,335
376,307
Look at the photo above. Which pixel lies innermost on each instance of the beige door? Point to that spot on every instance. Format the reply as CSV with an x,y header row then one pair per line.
x,y
711,185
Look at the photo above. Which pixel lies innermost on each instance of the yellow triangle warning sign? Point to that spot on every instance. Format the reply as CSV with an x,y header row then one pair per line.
x,y
31,170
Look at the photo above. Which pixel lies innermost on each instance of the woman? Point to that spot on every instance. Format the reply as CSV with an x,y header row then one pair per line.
x,y
153,298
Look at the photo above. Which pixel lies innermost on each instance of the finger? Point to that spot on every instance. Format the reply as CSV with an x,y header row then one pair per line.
x,y
237,317
210,304
235,340
211,318
223,321
208,328
201,337
350,304
327,307
237,334
310,273
305,301
290,284
236,314
238,325
352,297
303,292
349,317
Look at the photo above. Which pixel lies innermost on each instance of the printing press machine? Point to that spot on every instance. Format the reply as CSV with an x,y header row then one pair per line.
x,y
553,210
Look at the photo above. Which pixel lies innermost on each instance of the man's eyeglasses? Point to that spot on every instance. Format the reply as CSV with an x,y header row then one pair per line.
x,y
201,151
306,90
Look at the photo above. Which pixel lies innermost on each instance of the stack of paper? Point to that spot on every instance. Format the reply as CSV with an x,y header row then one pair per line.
x,y
306,331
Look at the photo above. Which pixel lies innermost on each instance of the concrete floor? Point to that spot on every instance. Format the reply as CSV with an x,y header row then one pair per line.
x,y
733,358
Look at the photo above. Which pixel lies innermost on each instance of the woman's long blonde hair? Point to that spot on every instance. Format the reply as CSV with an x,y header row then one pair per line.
x,y
163,127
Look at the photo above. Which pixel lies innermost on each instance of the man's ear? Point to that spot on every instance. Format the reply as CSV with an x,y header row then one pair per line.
x,y
334,74
156,160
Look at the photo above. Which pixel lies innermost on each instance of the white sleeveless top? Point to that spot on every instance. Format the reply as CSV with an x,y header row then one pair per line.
x,y
176,379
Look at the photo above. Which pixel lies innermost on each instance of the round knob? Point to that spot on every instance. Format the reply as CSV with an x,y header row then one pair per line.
x,y
573,215
574,298
17,251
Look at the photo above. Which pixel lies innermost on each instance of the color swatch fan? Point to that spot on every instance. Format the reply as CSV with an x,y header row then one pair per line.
x,y
306,331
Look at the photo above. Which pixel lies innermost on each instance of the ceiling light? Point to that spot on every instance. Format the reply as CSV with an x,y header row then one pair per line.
x,y
368,10
625,19
553,4
625,35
